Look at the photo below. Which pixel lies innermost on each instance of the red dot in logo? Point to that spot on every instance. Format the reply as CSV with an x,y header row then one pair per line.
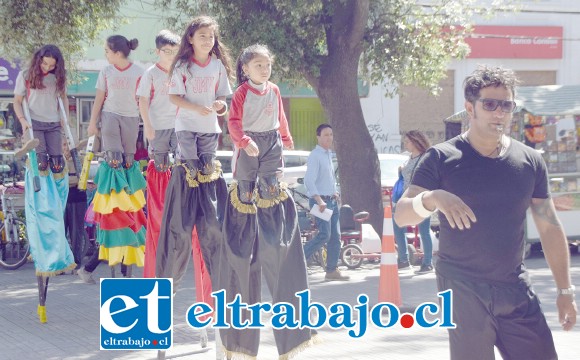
x,y
407,320
154,342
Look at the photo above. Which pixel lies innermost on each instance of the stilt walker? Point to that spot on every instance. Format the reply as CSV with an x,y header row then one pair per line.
x,y
196,190
36,97
119,199
158,114
260,223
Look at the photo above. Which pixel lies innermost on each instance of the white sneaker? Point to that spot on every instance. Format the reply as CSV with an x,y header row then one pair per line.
x,y
86,276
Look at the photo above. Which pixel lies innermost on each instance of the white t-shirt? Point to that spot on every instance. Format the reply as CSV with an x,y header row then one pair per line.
x,y
120,86
42,103
154,85
200,84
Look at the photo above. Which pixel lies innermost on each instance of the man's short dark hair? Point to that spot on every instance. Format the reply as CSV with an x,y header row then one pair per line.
x,y
166,37
322,127
485,76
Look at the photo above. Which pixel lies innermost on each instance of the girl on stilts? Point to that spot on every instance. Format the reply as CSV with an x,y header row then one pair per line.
x,y
199,84
36,105
260,224
158,115
119,200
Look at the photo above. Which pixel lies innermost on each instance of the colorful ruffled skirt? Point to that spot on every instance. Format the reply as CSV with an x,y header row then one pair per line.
x,y
118,207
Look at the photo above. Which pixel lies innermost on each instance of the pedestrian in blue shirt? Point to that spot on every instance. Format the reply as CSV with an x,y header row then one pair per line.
x,y
321,185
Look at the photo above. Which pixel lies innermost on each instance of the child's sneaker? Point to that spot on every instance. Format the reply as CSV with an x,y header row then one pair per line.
x,y
86,276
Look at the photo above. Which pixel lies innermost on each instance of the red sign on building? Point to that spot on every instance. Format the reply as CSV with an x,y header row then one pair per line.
x,y
516,42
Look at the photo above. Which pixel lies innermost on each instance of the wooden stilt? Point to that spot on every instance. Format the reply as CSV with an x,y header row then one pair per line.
x,y
42,291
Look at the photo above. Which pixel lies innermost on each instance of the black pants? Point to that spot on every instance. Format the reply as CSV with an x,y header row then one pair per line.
x,y
94,261
508,317
74,223
266,242
186,207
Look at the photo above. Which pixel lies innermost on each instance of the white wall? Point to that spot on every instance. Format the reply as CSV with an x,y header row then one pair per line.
x,y
382,117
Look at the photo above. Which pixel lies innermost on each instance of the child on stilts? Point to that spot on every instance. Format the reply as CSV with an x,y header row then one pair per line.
x,y
260,225
199,84
119,200
36,105
158,115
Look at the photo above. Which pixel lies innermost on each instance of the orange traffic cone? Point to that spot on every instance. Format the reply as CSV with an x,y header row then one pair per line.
x,y
389,287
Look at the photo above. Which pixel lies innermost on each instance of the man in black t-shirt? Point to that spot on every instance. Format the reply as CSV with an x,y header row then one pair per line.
x,y
483,182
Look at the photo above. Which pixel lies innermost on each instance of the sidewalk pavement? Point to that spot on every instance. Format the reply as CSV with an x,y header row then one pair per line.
x,y
72,330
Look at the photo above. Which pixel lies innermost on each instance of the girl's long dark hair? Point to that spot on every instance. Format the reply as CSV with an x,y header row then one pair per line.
x,y
185,53
34,74
419,139
246,56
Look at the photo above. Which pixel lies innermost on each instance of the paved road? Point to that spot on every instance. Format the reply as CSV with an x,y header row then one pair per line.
x,y
72,331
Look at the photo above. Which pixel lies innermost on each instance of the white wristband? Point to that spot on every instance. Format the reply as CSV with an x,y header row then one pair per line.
x,y
419,208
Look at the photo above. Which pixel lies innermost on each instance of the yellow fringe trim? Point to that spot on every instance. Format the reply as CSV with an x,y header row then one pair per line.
x,y
237,203
298,349
57,272
41,310
190,178
213,176
282,196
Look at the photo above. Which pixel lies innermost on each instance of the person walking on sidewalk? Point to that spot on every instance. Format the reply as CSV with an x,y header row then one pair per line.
x,y
416,143
483,182
321,186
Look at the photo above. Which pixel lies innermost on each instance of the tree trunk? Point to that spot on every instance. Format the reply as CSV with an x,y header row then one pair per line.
x,y
358,164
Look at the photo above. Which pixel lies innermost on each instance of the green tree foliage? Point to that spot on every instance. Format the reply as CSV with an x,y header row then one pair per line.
x,y
330,43
26,25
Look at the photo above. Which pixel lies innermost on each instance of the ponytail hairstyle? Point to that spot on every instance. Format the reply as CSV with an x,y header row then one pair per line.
x,y
185,53
34,74
246,56
120,43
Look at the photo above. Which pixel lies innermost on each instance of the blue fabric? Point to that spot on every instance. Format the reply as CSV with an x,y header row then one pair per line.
x,y
319,178
44,210
398,188
329,234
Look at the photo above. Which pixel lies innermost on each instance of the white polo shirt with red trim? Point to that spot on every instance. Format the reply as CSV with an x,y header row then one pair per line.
x,y
154,85
257,110
120,86
42,103
200,84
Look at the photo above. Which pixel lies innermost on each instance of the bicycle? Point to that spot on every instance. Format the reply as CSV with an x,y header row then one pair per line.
x,y
307,225
14,245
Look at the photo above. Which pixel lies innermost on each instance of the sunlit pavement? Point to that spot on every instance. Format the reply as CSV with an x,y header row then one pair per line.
x,y
72,330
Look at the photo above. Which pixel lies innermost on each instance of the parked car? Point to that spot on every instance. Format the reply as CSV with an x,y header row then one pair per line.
x,y
294,165
389,164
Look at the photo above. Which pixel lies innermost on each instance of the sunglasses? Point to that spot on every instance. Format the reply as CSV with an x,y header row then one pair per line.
x,y
169,52
492,104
